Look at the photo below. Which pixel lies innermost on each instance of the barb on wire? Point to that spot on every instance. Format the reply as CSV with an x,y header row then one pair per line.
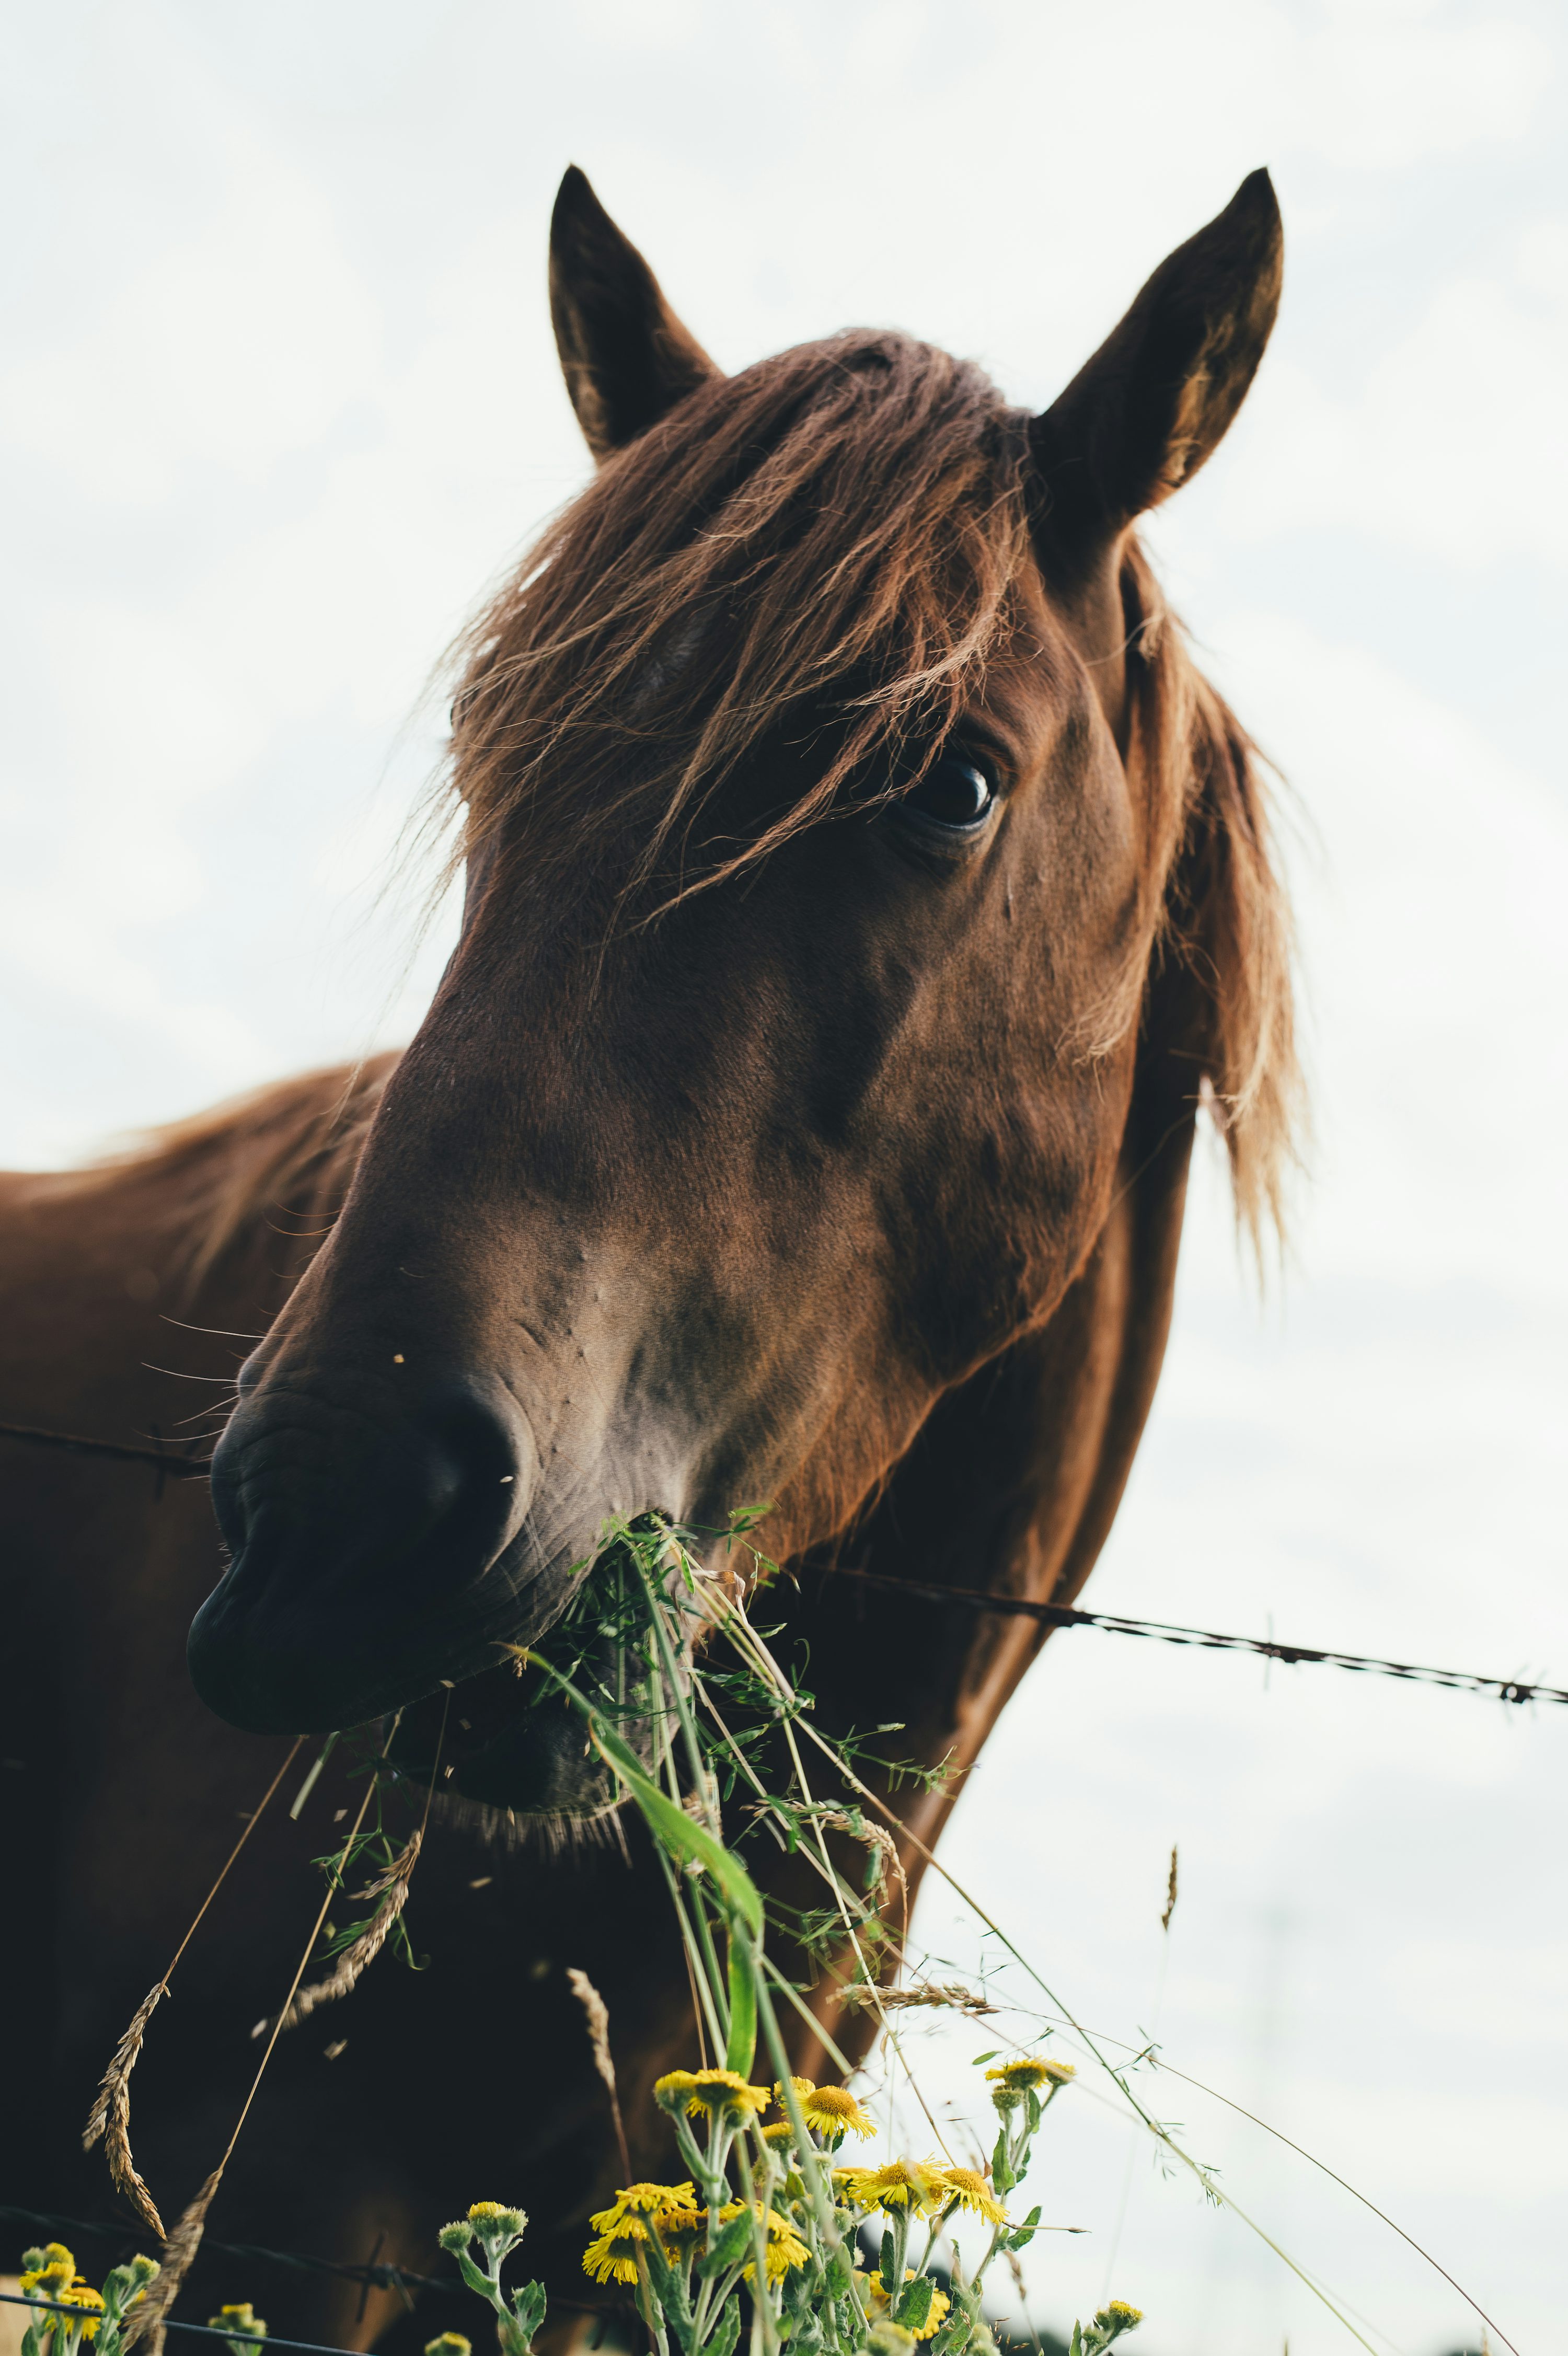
x,y
1170,1632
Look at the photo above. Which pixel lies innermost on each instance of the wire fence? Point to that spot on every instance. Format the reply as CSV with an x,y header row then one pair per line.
x,y
371,2275
172,1465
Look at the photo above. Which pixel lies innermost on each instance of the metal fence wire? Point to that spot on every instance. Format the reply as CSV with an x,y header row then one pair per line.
x,y
170,1464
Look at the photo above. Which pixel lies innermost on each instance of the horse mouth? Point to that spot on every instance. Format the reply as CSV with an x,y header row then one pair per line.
x,y
498,1739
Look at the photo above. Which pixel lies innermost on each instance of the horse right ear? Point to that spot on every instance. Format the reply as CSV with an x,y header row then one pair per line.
x,y
1140,418
626,357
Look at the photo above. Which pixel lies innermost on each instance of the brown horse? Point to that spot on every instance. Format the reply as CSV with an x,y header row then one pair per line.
x,y
863,892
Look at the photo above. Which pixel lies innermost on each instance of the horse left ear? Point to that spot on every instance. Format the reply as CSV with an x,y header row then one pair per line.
x,y
1140,418
626,357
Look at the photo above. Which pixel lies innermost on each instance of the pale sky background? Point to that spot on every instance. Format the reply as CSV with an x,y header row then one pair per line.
x,y
278,397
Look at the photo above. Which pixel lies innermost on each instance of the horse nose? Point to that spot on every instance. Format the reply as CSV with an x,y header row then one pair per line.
x,y
370,1545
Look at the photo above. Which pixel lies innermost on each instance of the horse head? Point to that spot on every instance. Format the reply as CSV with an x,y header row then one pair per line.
x,y
840,812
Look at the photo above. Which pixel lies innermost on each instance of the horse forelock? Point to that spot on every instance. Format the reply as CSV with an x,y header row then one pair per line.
x,y
836,532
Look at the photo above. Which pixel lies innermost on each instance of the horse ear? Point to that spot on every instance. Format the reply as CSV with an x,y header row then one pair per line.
x,y
626,357
1141,417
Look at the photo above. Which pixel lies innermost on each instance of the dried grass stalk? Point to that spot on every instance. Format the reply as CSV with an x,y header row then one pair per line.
x,y
862,1995
110,2116
1170,1893
150,2315
392,1888
599,2018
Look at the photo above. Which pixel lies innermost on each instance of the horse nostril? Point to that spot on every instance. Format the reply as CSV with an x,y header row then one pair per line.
x,y
363,1545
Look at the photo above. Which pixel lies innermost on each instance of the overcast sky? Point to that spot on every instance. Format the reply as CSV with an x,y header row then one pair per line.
x,y
277,400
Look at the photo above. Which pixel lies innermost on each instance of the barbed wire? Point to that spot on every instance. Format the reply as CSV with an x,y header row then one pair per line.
x,y
371,2275
1170,1631
232,2332
169,1466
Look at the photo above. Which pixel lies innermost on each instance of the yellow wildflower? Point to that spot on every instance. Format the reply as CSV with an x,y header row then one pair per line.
x,y
241,2319
451,2343
58,2270
643,2200
784,2248
680,2228
829,2109
1120,2312
726,2090
613,2257
709,2090
1031,2070
81,2294
971,2191
902,2184
674,2090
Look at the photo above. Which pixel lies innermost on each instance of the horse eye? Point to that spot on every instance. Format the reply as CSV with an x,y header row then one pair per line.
x,y
954,792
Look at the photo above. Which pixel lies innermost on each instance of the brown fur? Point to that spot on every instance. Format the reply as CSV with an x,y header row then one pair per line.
x,y
741,1145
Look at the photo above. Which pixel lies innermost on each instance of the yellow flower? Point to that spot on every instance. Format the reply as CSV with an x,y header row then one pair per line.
x,y
451,2343
970,2189
643,2200
876,2301
1031,2072
828,2109
784,2248
81,2294
709,2090
1119,2316
726,2090
902,2184
497,2224
613,2257
58,2269
242,2321
680,2228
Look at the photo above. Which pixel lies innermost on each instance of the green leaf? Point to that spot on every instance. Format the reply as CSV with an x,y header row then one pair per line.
x,y
528,2304
888,2264
986,2057
671,1825
915,2307
725,2333
1023,2233
1001,2176
732,2246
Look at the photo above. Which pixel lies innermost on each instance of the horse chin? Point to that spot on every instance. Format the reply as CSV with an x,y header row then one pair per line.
x,y
490,1741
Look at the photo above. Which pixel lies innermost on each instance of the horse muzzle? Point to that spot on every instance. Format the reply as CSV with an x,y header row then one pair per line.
x,y
379,1551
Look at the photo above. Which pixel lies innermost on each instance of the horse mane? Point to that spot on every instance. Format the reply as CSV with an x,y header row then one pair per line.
x,y
1225,922
289,1148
